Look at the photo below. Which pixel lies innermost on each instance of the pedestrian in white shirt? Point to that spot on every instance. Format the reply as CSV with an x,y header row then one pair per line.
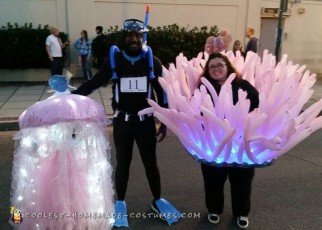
x,y
54,48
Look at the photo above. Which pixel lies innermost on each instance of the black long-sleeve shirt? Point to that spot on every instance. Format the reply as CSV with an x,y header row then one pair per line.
x,y
252,93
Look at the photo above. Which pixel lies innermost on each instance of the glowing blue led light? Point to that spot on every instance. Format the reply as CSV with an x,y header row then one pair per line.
x,y
209,152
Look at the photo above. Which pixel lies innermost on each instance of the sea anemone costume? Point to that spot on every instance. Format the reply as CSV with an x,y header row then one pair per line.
x,y
215,131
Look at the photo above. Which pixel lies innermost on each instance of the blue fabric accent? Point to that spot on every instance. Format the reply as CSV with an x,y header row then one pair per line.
x,y
144,49
168,211
83,47
120,214
113,50
146,24
133,59
150,56
58,83
147,51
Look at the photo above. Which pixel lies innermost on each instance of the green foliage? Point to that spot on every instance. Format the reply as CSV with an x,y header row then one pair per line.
x,y
168,41
114,36
24,46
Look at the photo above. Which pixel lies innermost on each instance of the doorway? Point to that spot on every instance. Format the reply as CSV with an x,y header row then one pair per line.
x,y
268,35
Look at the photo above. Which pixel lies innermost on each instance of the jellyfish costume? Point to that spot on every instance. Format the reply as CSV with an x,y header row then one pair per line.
x,y
61,168
215,131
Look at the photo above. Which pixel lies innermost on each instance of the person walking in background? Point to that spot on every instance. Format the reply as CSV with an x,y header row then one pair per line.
x,y
217,70
54,50
83,47
252,43
238,46
99,47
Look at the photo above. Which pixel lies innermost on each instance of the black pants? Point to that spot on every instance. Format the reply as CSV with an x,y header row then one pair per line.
x,y
86,67
143,132
56,66
240,182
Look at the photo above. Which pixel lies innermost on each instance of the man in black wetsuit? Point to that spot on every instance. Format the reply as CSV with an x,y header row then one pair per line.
x,y
135,76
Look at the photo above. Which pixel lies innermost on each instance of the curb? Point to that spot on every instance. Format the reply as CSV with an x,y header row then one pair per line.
x,y
9,125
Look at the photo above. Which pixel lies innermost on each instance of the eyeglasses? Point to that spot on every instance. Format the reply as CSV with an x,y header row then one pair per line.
x,y
134,25
217,67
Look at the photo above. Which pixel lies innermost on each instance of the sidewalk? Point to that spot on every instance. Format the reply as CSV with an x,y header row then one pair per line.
x,y
16,97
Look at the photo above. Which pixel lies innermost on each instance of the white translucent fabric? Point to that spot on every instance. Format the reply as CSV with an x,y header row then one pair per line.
x,y
63,170
61,176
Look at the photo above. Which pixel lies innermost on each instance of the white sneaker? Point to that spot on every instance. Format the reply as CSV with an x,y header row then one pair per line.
x,y
213,218
242,221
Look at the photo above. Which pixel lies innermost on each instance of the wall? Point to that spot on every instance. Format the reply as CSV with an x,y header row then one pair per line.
x,y
304,35
188,13
41,12
71,16
302,38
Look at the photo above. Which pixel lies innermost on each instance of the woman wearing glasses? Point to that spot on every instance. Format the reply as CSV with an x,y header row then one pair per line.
x,y
217,70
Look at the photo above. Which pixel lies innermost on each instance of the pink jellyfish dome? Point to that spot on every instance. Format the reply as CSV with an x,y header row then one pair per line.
x,y
62,108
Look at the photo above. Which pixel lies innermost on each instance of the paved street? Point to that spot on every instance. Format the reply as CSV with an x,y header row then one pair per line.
x,y
286,195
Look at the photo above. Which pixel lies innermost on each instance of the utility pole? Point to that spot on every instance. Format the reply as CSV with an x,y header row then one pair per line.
x,y
282,9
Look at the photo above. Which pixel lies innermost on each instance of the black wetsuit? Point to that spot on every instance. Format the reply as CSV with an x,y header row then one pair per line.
x,y
128,104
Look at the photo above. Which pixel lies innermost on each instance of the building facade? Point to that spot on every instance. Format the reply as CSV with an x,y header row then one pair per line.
x,y
301,40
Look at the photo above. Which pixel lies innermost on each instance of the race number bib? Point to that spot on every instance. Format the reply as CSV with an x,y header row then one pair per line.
x,y
134,84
